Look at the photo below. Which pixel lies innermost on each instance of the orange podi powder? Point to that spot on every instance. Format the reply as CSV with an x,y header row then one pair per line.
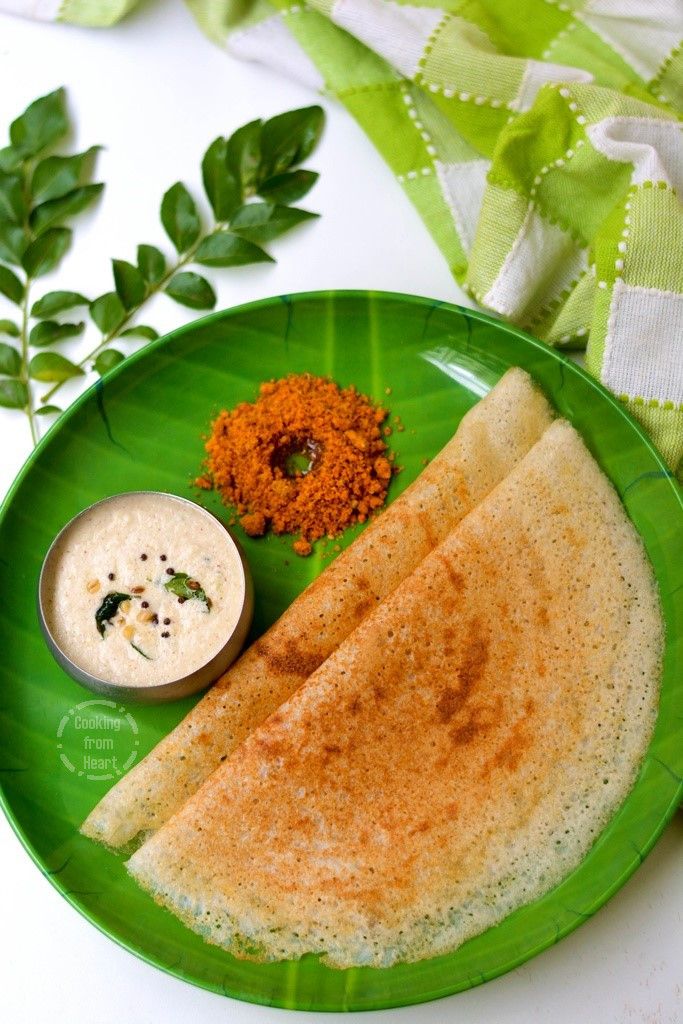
x,y
307,458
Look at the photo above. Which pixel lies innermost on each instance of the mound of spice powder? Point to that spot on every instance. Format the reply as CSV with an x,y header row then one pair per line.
x,y
306,458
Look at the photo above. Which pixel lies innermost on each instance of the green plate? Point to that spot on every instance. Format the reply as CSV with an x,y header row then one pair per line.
x,y
142,429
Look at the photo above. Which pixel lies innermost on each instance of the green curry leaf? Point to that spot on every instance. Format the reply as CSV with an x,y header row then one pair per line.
x,y
130,283
107,360
13,394
47,332
244,155
180,217
53,367
108,609
43,123
107,311
56,176
44,253
56,211
287,139
13,241
10,360
185,587
57,302
191,290
151,263
140,651
140,331
221,185
10,328
10,285
225,249
262,222
288,187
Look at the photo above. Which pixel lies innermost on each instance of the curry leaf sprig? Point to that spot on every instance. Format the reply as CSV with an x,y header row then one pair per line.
x,y
250,179
39,193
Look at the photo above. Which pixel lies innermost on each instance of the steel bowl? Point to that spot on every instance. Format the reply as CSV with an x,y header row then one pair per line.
x,y
156,693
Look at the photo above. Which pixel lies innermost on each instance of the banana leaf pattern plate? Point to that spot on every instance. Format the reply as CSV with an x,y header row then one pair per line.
x,y
141,428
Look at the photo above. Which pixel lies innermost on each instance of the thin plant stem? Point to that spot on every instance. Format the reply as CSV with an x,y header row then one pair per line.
x,y
24,361
26,172
107,338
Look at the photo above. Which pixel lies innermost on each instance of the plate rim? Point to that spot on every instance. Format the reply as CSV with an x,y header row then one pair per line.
x,y
146,351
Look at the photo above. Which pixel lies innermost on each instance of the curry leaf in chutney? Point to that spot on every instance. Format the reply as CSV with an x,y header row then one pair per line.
x,y
140,651
183,586
108,609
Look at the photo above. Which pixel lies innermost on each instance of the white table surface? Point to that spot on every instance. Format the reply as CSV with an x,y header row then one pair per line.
x,y
155,93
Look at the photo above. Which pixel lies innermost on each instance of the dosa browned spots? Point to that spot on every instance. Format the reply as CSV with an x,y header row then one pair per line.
x,y
426,780
490,440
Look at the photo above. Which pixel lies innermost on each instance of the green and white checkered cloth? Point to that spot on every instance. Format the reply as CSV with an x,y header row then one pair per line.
x,y
539,140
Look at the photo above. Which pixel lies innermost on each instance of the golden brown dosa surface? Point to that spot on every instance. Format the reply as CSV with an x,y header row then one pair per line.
x,y
490,440
458,753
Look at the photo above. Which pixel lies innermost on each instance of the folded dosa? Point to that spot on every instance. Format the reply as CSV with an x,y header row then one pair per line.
x,y
458,753
490,440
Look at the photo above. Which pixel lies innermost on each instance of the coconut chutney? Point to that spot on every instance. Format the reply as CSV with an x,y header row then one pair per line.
x,y
142,589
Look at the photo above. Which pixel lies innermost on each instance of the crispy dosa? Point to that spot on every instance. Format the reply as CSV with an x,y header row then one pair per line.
x,y
454,758
490,440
